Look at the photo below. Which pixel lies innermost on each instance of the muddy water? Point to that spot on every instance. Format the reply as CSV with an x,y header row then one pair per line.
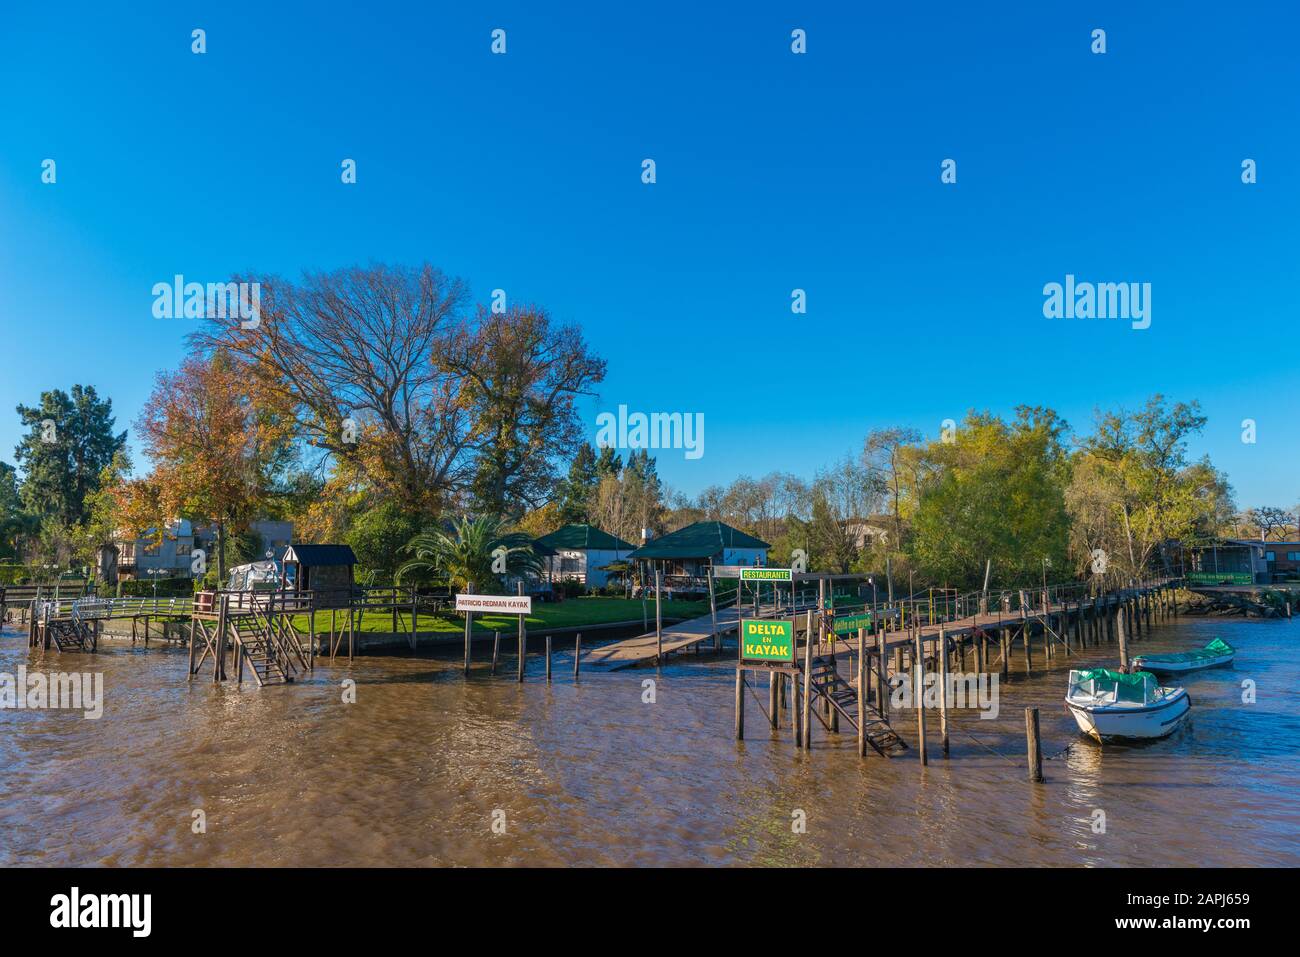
x,y
412,773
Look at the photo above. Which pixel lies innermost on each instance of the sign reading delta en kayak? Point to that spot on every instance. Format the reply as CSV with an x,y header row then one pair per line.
x,y
762,640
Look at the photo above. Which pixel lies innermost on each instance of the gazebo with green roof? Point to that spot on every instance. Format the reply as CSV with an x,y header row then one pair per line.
x,y
580,552
684,556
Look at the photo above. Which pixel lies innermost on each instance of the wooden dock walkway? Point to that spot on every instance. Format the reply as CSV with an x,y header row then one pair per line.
x,y
1050,620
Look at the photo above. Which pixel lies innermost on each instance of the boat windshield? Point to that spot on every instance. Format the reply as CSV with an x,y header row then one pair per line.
x,y
1102,684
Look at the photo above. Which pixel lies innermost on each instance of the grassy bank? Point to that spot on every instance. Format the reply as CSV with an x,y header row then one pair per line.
x,y
574,613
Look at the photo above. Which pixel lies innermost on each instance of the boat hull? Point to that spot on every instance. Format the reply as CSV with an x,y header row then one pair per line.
x,y
1158,666
1110,723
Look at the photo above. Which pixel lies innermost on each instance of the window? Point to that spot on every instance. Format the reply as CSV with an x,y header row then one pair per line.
x,y
568,564
1293,556
1270,556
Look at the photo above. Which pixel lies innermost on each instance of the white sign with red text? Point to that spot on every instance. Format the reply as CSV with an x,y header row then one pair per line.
x,y
500,604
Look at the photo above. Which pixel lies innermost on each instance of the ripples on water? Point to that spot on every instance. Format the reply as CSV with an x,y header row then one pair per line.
x,y
589,774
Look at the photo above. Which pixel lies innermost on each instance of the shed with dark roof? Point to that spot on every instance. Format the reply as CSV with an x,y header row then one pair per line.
x,y
327,571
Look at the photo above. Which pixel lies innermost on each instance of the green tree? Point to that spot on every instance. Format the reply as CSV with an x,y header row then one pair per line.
x,y
609,463
1135,492
11,511
578,487
996,492
378,535
69,443
464,557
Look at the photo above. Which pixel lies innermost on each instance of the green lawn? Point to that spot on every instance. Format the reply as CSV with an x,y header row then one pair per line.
x,y
566,614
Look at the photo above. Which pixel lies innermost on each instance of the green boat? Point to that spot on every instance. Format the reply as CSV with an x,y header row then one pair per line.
x,y
1214,655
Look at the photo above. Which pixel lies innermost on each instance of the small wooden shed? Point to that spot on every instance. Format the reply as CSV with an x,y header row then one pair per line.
x,y
327,571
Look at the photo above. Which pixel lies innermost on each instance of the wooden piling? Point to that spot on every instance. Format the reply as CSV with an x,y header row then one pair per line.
x,y
659,617
415,614
496,650
862,692
807,686
548,659
918,680
882,685
523,642
740,704
1033,746
1123,640
577,655
943,690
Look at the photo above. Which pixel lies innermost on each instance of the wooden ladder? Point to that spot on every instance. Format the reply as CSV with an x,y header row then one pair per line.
x,y
842,695
250,638
71,636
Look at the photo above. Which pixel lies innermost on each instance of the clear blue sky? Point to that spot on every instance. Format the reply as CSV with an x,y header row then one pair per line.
x,y
775,171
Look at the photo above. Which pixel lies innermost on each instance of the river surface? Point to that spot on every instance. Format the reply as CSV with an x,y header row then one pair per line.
x,y
419,768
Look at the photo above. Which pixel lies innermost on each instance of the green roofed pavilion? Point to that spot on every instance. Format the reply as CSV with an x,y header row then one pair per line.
x,y
701,540
582,537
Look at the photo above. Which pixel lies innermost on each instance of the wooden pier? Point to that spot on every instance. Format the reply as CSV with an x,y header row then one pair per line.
x,y
1058,620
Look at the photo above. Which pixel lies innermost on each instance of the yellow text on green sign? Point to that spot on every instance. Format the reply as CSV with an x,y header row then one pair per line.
x,y
766,640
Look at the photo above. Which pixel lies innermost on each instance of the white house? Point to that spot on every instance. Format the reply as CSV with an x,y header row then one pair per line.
x,y
580,552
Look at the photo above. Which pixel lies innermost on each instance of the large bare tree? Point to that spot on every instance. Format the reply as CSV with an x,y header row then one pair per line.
x,y
412,399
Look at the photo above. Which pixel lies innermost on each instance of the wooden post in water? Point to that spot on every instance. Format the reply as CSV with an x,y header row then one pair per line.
x,y
1033,745
882,685
577,655
415,613
548,659
659,617
221,638
713,611
469,623
862,692
807,685
523,642
1123,640
740,704
496,650
943,689
918,682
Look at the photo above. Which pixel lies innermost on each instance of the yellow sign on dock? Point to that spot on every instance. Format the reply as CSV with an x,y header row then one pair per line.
x,y
763,640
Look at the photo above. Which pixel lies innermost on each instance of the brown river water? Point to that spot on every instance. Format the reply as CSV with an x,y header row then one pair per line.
x,y
590,774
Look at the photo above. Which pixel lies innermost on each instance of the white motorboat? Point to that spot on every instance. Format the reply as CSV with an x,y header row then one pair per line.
x,y
1110,705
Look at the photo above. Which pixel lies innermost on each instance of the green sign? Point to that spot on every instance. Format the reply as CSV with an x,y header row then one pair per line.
x,y
849,624
766,575
1215,578
766,640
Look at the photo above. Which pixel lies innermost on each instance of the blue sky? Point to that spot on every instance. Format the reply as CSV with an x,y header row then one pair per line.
x,y
775,171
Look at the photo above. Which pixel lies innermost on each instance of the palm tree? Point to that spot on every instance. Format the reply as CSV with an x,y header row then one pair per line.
x,y
465,557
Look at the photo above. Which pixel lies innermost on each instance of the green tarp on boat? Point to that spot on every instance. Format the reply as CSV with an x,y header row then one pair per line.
x,y
1140,686
1215,649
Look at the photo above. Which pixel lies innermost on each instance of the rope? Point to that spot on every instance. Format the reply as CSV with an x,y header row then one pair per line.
x,y
754,694
990,749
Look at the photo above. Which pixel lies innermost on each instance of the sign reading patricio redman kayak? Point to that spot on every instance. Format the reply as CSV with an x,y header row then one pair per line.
x,y
501,604
766,640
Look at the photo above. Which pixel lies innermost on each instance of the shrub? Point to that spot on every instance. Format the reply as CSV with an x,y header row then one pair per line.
x,y
167,588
